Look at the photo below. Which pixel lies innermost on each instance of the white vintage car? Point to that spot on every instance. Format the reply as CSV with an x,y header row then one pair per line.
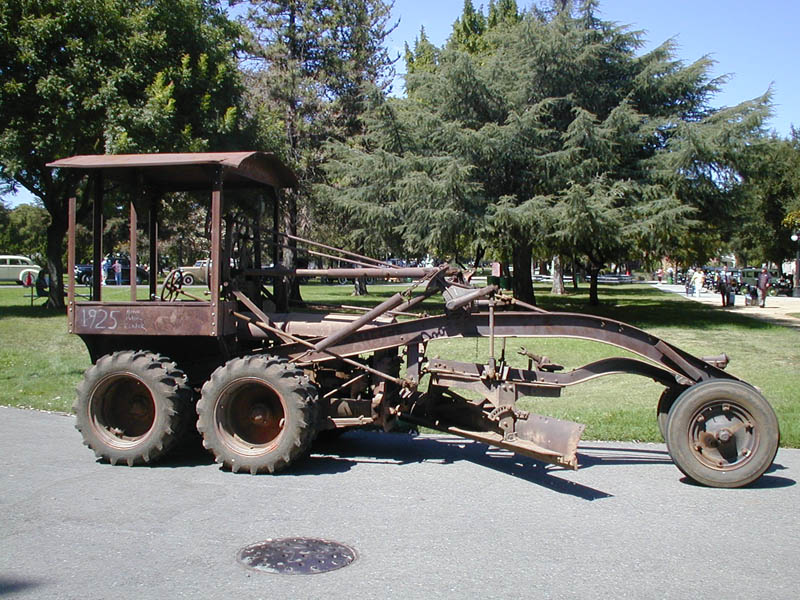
x,y
197,274
16,268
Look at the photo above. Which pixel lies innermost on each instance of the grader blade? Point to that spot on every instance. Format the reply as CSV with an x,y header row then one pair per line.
x,y
555,435
527,447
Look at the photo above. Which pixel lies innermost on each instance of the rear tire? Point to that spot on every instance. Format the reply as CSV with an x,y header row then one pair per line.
x,y
722,433
258,414
132,407
188,279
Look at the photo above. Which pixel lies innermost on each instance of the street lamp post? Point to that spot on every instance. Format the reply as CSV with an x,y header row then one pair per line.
x,y
796,278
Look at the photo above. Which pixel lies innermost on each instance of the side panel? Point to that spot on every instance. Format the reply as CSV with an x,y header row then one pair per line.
x,y
143,318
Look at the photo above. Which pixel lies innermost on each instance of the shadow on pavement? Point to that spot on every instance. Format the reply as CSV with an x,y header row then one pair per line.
x,y
399,449
341,454
10,585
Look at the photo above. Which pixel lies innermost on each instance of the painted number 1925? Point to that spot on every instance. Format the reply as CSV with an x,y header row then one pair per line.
x,y
99,318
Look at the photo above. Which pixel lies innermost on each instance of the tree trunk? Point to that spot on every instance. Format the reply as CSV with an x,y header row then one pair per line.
x,y
594,273
55,251
480,250
290,253
575,275
558,277
523,284
360,286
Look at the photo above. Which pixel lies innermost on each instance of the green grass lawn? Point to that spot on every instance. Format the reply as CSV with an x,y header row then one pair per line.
x,y
40,364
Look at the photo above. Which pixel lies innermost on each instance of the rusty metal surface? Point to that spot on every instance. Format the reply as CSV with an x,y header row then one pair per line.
x,y
557,435
142,318
376,272
353,360
187,170
521,324
311,324
605,366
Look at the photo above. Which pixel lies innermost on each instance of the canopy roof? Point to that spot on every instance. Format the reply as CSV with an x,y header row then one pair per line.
x,y
186,171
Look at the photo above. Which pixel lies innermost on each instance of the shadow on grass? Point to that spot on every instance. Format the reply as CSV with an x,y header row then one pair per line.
x,y
31,312
644,307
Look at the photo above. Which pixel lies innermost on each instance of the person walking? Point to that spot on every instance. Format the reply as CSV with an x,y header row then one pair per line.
x,y
698,279
725,285
763,285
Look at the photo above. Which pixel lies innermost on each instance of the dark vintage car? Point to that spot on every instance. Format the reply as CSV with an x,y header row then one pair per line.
x,y
84,274
777,283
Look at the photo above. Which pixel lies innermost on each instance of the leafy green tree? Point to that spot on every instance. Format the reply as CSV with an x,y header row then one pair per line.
x,y
4,210
94,76
564,140
771,190
23,230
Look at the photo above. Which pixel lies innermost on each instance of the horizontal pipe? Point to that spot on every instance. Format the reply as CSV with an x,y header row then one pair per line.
x,y
465,299
377,273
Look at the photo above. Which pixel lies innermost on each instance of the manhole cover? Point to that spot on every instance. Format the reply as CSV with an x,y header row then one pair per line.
x,y
296,556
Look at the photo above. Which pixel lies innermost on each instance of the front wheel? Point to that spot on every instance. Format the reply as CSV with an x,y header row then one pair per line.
x,y
132,407
722,433
257,414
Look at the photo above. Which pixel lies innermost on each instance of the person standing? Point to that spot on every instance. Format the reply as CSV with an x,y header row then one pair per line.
x,y
117,272
725,285
763,285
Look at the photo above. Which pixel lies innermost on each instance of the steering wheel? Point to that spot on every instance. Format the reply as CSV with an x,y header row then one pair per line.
x,y
172,287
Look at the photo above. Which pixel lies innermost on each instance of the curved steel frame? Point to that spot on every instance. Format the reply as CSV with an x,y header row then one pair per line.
x,y
668,364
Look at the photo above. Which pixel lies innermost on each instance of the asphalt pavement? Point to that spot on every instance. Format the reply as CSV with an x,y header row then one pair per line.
x,y
429,516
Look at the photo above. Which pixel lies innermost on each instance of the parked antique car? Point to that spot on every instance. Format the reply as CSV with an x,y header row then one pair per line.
x,y
777,284
14,268
197,274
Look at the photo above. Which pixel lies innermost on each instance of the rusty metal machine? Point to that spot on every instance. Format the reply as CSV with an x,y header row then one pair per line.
x,y
259,385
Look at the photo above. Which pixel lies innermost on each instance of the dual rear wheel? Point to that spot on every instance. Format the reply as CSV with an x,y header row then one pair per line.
x,y
256,414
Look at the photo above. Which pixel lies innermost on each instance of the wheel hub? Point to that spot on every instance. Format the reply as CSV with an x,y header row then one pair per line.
x,y
722,435
250,416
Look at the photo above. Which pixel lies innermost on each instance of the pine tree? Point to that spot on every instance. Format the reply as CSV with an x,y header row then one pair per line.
x,y
559,137
314,63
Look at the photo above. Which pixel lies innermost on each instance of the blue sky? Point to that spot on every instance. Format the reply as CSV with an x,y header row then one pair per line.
x,y
755,43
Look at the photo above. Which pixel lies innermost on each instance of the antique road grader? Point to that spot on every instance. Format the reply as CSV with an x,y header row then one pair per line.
x,y
260,385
